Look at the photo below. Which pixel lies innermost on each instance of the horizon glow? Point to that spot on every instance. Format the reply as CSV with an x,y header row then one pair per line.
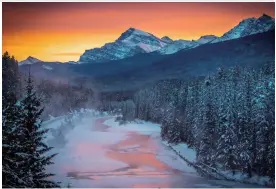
x,y
63,31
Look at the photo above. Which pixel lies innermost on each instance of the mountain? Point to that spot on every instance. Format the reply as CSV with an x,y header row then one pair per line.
x,y
248,27
178,45
206,39
134,72
130,43
167,39
134,41
251,51
29,60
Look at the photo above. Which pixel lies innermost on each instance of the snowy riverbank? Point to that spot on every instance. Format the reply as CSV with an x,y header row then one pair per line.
x,y
95,151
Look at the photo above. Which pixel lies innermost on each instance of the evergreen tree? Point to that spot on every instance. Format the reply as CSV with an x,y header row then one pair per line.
x,y
12,131
35,165
12,145
228,118
10,76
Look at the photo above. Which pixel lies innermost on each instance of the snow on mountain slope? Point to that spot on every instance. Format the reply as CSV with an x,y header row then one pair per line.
x,y
244,28
134,41
248,27
178,45
167,39
206,39
131,42
29,60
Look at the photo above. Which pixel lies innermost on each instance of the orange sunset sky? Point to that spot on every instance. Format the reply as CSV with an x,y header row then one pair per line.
x,y
62,31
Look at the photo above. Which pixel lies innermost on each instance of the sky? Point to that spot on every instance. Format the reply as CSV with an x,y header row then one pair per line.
x,y
63,31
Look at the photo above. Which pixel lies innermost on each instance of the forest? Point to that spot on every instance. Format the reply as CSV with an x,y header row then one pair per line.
x,y
227,117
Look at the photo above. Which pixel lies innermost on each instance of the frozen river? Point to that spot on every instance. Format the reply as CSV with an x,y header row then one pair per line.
x,y
97,152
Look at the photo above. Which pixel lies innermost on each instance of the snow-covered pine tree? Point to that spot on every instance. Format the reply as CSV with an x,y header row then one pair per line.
x,y
12,148
251,127
266,127
9,75
270,131
35,165
227,147
207,147
13,151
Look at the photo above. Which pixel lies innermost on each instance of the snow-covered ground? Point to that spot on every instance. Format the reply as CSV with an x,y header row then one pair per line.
x,y
95,151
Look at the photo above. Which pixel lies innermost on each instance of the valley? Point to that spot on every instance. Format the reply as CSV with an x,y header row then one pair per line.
x,y
139,109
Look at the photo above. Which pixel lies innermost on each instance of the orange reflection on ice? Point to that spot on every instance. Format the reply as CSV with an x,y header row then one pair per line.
x,y
86,149
138,151
148,185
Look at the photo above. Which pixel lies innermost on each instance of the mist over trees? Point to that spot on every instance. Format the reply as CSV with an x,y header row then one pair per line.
x,y
228,117
59,98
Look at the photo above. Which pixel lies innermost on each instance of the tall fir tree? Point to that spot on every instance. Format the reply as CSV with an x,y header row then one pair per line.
x,y
10,76
12,130
35,166
13,155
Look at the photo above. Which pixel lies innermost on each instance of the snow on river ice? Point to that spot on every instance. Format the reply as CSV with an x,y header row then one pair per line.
x,y
98,152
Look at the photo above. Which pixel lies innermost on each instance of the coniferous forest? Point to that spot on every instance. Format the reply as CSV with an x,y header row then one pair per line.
x,y
228,117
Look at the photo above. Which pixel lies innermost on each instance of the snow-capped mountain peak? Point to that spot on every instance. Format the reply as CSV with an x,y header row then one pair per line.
x,y
130,32
131,42
30,60
247,27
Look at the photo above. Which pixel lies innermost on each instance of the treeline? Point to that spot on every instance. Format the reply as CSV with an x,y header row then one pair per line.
x,y
228,117
25,155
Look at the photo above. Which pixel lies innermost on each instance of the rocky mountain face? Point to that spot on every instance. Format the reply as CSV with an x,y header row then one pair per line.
x,y
178,45
206,39
247,27
167,39
131,42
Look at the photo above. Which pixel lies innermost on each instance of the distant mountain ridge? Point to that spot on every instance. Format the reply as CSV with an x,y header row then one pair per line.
x,y
249,26
134,41
246,27
29,60
180,44
206,39
142,69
